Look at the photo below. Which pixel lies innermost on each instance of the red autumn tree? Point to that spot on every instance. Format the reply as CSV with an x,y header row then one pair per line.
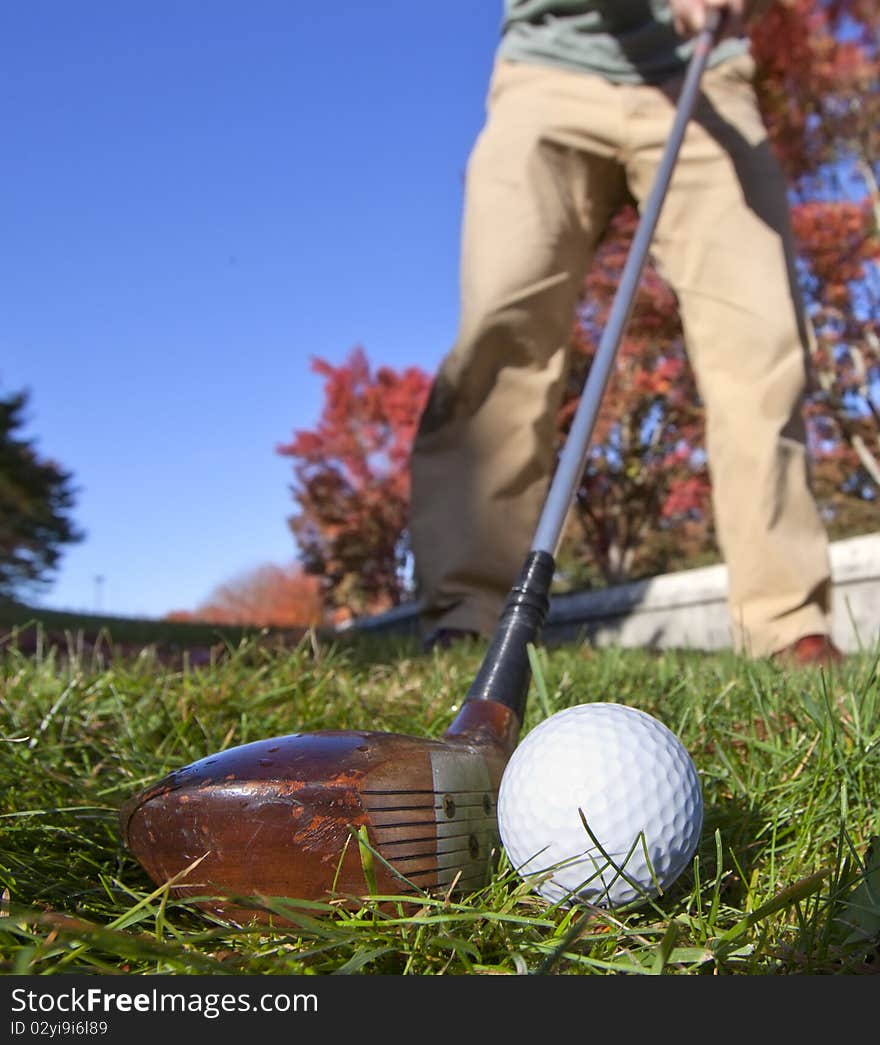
x,y
268,596
351,482
819,87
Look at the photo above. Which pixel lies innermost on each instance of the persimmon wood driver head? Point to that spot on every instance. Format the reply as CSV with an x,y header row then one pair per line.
x,y
282,817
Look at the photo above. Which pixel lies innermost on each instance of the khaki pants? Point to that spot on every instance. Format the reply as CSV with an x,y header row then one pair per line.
x,y
557,154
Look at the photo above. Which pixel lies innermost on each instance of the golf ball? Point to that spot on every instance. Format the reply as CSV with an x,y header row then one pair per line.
x,y
628,777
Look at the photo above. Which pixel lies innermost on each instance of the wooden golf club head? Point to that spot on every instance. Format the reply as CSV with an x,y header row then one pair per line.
x,y
281,817
286,817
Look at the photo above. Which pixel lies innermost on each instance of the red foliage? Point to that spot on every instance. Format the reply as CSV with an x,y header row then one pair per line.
x,y
817,79
269,596
819,86
352,481
838,240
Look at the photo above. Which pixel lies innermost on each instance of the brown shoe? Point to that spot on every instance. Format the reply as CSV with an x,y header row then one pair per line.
x,y
443,638
810,651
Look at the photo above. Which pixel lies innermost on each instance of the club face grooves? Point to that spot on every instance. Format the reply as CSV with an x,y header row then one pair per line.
x,y
464,835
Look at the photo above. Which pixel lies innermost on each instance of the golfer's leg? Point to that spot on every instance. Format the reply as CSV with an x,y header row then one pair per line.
x,y
484,449
724,243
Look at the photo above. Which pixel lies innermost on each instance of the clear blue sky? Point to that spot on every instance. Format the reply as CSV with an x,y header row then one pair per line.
x,y
196,199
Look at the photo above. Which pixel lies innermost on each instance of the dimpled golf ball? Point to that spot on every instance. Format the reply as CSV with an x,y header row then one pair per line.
x,y
639,793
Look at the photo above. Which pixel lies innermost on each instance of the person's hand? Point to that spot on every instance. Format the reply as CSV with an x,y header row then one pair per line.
x,y
689,16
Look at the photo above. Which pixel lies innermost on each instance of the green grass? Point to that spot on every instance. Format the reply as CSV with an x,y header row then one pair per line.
x,y
36,630
783,882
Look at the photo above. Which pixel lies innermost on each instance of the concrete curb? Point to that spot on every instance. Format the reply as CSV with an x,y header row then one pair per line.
x,y
688,610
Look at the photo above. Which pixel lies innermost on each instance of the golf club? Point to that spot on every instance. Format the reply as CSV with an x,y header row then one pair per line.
x,y
347,813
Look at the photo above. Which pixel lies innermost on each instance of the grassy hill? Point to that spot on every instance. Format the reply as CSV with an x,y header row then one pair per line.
x,y
28,628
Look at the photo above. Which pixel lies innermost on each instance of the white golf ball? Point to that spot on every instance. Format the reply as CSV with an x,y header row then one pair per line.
x,y
637,788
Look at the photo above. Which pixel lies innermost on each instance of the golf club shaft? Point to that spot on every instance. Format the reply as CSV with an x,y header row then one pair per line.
x,y
573,458
505,674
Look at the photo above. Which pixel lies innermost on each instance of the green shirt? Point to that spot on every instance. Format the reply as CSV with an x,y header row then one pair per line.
x,y
627,41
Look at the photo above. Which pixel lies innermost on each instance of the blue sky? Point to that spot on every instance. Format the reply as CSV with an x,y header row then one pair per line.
x,y
196,199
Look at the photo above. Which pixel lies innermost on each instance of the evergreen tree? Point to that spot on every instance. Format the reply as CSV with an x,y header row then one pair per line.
x,y
36,498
